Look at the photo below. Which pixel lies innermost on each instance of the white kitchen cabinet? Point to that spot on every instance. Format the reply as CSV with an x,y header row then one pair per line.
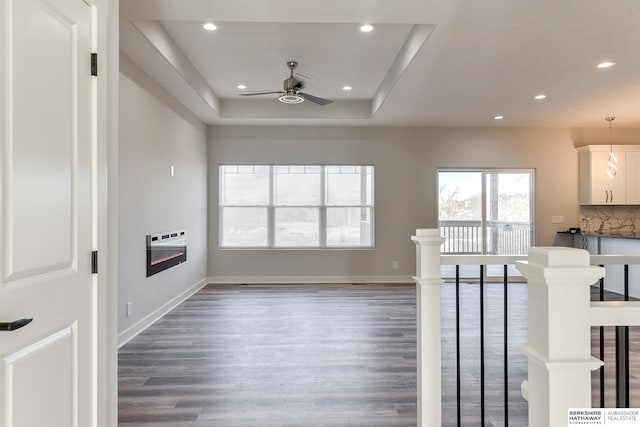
x,y
596,186
632,176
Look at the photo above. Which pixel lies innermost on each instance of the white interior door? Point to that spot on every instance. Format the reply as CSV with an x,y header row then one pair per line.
x,y
47,368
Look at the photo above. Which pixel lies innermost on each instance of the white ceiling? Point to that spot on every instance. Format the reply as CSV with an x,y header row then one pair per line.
x,y
427,63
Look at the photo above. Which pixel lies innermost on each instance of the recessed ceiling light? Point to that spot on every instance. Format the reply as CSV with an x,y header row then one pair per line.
x,y
498,117
541,96
241,87
366,28
606,64
347,88
209,26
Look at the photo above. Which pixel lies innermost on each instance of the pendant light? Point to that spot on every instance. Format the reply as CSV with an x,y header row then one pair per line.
x,y
612,168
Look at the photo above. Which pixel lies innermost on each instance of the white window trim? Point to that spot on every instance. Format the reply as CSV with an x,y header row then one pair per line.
x,y
322,207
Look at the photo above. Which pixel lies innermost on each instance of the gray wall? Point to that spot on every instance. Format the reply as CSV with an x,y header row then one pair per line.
x,y
406,162
156,132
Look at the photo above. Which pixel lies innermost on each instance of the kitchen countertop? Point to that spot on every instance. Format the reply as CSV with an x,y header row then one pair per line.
x,y
616,234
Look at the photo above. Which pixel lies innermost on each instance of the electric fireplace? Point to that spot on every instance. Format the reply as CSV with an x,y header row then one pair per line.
x,y
165,250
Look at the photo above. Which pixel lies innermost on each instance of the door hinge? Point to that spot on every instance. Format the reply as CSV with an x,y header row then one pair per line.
x,y
94,262
94,64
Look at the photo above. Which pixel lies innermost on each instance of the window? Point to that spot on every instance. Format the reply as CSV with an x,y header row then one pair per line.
x,y
296,206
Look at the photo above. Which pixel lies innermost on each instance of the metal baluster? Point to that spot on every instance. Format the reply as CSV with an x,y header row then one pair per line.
x,y
506,350
626,337
622,354
482,409
602,348
458,374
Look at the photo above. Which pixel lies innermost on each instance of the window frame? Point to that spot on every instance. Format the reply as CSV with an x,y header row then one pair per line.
x,y
321,207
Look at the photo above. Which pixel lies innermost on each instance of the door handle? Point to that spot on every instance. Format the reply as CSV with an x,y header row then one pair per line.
x,y
611,195
606,192
16,324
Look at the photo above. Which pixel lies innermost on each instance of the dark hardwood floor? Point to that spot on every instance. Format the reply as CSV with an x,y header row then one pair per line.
x,y
317,355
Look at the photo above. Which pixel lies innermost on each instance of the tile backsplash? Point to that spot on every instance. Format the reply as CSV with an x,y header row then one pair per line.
x,y
610,219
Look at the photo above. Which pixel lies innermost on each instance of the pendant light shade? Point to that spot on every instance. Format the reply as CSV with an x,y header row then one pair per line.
x,y
612,163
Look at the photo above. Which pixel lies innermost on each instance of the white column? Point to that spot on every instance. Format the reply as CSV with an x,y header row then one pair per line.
x,y
559,347
428,283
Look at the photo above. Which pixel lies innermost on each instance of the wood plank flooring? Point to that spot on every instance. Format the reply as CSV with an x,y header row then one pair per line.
x,y
276,355
317,355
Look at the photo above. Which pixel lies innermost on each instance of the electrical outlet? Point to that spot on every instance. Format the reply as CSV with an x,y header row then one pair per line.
x,y
394,265
129,308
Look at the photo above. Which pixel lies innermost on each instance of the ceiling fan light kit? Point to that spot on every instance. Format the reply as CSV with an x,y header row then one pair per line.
x,y
290,98
291,90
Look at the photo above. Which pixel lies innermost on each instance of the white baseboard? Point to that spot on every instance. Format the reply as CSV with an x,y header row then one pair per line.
x,y
269,280
131,332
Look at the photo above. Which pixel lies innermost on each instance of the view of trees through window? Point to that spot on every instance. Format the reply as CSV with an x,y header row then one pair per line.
x,y
280,206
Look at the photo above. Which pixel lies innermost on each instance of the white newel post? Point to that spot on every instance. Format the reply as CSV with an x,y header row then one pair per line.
x,y
428,288
559,347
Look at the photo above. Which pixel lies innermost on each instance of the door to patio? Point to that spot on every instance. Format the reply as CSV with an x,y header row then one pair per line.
x,y
486,211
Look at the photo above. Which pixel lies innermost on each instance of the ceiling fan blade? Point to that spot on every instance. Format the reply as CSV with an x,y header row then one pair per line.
x,y
259,93
315,99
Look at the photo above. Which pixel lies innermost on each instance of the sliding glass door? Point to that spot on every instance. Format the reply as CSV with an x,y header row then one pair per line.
x,y
508,222
486,211
460,212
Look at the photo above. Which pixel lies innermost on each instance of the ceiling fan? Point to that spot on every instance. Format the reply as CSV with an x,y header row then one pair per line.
x,y
291,93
